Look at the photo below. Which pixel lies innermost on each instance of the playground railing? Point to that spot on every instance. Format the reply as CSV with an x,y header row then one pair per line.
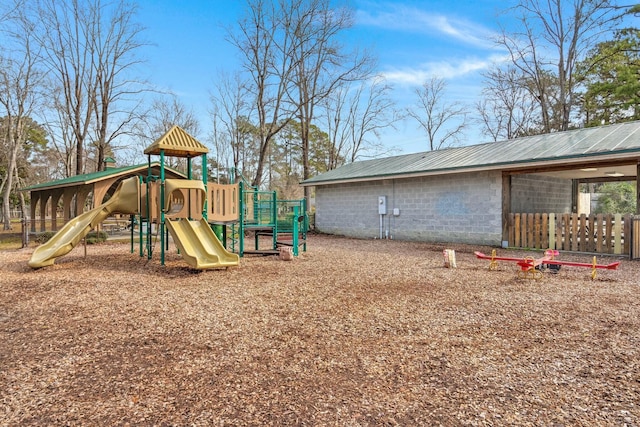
x,y
285,215
259,208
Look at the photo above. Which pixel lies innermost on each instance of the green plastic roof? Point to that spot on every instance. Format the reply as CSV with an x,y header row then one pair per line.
x,y
89,178
605,143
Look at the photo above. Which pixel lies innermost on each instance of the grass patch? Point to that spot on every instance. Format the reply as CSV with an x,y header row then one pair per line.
x,y
43,237
10,241
96,237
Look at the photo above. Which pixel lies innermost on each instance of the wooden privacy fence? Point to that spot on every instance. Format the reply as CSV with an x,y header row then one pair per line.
x,y
635,238
607,234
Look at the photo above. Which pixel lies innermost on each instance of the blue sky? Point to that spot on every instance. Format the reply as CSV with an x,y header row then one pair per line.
x,y
413,40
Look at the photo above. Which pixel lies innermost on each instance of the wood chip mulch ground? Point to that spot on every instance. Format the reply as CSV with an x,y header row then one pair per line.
x,y
350,333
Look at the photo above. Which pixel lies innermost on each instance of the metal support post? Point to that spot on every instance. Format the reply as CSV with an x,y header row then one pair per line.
x,y
296,229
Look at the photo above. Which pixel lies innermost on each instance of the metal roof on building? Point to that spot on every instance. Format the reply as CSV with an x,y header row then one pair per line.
x,y
619,142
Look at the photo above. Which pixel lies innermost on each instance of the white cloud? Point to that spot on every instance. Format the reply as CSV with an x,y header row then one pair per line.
x,y
442,69
398,17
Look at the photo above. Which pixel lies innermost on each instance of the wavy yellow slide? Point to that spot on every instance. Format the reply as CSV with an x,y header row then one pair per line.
x,y
199,246
124,200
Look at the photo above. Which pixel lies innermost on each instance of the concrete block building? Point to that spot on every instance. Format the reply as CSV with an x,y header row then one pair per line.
x,y
467,194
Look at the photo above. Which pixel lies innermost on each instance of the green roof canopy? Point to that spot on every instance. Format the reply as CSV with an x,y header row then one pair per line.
x,y
89,178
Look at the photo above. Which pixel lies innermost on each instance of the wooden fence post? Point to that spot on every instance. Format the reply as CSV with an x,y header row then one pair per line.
x,y
617,234
608,232
566,240
512,236
626,234
545,231
583,233
552,231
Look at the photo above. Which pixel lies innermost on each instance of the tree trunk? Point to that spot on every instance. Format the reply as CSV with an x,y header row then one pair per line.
x,y
6,195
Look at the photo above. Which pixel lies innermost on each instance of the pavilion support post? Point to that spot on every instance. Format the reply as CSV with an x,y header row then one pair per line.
x,y
81,197
55,199
68,209
45,199
35,199
575,185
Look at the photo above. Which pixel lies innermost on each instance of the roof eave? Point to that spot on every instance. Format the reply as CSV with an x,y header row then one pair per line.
x,y
128,170
504,166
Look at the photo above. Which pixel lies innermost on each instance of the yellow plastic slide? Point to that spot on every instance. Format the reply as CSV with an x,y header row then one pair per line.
x,y
199,246
124,200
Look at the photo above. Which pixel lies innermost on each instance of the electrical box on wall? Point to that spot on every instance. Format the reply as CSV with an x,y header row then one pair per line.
x,y
382,205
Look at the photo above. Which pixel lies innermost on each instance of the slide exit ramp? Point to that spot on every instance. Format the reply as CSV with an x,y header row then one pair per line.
x,y
199,246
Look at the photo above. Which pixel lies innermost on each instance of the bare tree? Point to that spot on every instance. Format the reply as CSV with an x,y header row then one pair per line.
x,y
355,116
89,47
61,137
231,111
291,52
443,122
67,52
20,91
165,112
220,161
321,63
265,48
116,42
507,109
554,35
8,9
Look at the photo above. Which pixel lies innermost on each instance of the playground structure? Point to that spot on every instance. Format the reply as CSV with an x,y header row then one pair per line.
x,y
532,268
196,215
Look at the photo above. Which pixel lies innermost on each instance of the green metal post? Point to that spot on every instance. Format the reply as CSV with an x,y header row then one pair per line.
x,y
224,235
205,206
131,224
140,242
149,247
294,241
274,219
188,201
257,216
141,234
242,219
305,224
161,207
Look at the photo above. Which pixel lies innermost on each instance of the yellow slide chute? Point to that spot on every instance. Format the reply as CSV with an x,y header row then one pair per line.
x,y
199,246
124,200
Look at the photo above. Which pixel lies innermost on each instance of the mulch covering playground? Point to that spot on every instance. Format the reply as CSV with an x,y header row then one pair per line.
x,y
350,333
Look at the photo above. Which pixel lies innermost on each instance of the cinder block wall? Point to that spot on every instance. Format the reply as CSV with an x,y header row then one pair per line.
x,y
464,208
539,193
